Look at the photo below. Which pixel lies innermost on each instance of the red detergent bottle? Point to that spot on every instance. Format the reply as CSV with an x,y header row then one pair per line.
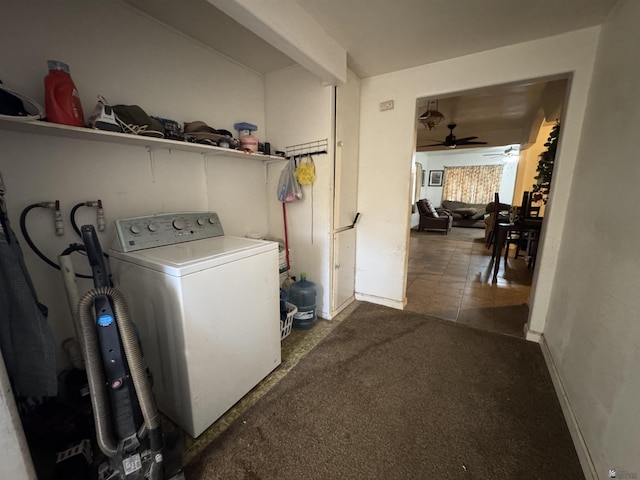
x,y
62,101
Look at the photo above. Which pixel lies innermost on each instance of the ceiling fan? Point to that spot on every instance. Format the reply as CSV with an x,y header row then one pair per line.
x,y
451,141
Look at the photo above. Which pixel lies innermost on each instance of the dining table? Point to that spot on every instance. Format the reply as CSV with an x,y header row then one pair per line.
x,y
531,225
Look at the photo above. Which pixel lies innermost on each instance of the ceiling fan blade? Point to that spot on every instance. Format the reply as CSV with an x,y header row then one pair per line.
x,y
465,139
451,141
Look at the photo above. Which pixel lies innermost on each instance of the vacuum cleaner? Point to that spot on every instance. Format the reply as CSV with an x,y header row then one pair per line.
x,y
127,423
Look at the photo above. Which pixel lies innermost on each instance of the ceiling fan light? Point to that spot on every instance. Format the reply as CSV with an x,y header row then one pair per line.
x,y
431,118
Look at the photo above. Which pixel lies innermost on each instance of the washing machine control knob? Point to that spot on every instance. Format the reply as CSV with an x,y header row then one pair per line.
x,y
178,224
165,229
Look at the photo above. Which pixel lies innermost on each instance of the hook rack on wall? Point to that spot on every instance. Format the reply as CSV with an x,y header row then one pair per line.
x,y
310,148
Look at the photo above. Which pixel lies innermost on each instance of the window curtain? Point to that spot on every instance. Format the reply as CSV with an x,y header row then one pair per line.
x,y
475,184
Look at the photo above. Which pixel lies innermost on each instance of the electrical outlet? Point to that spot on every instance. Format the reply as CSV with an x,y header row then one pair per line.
x,y
387,105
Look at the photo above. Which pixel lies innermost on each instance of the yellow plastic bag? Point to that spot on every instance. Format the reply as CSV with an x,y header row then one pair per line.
x,y
306,172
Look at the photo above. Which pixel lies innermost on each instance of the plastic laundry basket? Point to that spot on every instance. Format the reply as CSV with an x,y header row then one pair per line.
x,y
287,323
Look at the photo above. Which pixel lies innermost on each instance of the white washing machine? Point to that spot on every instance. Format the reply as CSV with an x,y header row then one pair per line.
x,y
207,309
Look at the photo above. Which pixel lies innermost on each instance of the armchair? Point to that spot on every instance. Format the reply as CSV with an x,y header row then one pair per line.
x,y
432,219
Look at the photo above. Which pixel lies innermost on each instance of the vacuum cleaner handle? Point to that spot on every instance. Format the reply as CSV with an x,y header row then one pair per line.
x,y
96,257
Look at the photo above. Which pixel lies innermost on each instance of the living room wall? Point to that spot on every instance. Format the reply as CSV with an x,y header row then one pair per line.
x,y
461,158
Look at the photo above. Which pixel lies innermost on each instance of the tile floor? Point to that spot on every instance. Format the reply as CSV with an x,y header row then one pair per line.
x,y
449,277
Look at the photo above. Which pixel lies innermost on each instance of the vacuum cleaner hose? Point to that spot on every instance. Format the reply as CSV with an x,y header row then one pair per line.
x,y
136,367
95,376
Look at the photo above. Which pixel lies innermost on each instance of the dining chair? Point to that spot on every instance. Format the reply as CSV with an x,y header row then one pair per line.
x,y
496,219
525,206
494,236
534,211
525,235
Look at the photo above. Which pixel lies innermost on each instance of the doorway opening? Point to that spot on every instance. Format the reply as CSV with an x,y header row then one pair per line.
x,y
505,125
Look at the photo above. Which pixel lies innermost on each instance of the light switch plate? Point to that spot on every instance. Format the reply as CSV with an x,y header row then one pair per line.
x,y
386,105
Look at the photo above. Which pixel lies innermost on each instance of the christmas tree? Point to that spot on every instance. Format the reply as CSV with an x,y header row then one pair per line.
x,y
540,190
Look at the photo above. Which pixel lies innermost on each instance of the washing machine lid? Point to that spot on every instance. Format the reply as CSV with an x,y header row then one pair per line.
x,y
190,257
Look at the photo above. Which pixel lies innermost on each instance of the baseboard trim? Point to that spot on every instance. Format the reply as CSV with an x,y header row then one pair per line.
x,y
531,335
341,308
584,456
387,302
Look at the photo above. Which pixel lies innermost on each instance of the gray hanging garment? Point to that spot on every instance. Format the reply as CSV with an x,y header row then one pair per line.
x,y
26,341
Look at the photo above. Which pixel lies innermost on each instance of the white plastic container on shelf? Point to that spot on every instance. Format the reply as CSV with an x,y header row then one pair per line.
x,y
247,139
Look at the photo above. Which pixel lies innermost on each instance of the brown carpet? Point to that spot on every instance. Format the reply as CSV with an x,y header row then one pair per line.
x,y
395,395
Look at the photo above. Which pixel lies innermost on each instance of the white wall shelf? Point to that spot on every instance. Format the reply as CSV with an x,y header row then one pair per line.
x,y
80,133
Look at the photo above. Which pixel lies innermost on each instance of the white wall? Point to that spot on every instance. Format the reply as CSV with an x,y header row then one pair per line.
x,y
299,110
385,166
129,59
169,76
593,328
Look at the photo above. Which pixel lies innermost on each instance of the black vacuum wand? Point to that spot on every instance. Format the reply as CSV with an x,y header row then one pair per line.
x,y
127,422
96,257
